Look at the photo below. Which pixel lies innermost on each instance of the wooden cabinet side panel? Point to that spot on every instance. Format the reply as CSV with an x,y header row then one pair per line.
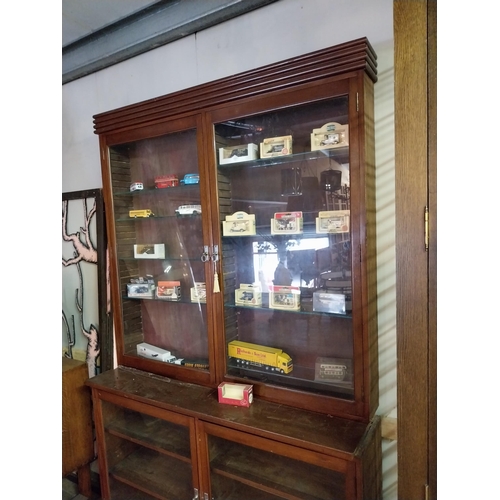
x,y
77,441
411,94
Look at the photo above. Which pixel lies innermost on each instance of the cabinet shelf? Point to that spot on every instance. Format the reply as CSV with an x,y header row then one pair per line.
x,y
144,469
158,218
340,155
162,191
153,433
306,309
272,473
153,299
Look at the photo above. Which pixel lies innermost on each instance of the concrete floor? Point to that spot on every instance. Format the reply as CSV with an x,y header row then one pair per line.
x,y
70,486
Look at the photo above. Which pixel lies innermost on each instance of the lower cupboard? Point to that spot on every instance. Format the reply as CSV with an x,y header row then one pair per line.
x,y
163,439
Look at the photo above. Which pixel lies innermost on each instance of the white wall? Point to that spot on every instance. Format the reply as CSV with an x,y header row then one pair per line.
x,y
279,31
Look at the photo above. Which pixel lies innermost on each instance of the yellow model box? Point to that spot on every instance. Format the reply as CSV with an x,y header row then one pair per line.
x,y
284,297
276,146
287,223
330,136
248,295
333,221
239,224
236,154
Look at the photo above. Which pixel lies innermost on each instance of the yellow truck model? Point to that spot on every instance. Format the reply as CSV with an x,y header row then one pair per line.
x,y
255,355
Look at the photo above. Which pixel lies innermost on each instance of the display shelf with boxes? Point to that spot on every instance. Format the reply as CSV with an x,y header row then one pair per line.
x,y
260,270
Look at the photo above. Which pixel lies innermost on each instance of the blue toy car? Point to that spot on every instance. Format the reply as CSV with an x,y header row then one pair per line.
x,y
191,179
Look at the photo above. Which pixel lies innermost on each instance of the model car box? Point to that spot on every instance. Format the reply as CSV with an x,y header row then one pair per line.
x,y
284,297
150,351
333,370
235,394
236,154
331,135
329,302
199,292
168,290
287,223
248,295
141,290
276,146
149,251
333,221
239,224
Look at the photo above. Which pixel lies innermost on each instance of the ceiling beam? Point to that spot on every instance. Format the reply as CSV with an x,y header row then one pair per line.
x,y
159,24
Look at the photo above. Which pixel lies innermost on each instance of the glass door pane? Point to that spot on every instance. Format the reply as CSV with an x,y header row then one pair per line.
x,y
159,243
147,457
241,472
284,196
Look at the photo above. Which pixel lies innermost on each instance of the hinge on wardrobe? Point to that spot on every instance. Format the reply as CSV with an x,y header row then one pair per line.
x,y
426,228
357,101
427,492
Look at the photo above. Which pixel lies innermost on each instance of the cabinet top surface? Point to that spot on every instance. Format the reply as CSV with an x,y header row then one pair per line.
x,y
268,419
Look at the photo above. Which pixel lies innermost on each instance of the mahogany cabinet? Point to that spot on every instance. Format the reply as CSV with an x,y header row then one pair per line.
x,y
171,440
241,221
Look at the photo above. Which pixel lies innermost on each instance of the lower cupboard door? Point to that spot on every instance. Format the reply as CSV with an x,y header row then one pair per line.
x,y
242,472
147,457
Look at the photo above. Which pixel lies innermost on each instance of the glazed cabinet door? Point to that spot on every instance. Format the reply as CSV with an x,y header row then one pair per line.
x,y
246,467
148,453
159,249
291,204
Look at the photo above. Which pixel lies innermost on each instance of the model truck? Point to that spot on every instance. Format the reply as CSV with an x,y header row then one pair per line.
x,y
255,355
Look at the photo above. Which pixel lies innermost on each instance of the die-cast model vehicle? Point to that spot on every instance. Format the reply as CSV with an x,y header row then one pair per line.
x,y
136,186
141,213
191,179
188,210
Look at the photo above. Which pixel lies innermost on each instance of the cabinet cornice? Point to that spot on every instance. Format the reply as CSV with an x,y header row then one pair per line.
x,y
353,56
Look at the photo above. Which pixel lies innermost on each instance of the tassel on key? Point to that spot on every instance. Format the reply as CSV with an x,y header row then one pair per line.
x,y
216,283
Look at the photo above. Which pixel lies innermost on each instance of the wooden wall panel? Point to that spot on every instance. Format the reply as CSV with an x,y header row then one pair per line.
x,y
414,113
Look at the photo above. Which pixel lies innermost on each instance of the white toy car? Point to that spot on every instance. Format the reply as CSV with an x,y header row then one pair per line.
x,y
188,210
136,186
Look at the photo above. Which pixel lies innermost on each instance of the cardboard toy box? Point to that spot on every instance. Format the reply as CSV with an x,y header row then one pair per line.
x,y
235,394
236,154
140,290
287,223
284,297
248,295
333,221
276,146
239,224
149,251
199,292
329,302
330,136
168,290
334,371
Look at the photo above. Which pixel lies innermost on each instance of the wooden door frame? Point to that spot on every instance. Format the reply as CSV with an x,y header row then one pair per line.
x,y
415,158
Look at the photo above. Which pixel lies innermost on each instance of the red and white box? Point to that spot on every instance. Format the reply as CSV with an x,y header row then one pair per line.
x,y
235,394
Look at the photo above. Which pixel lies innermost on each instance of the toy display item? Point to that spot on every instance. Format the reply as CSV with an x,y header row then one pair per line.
x,y
188,210
259,356
166,181
146,212
191,179
136,186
